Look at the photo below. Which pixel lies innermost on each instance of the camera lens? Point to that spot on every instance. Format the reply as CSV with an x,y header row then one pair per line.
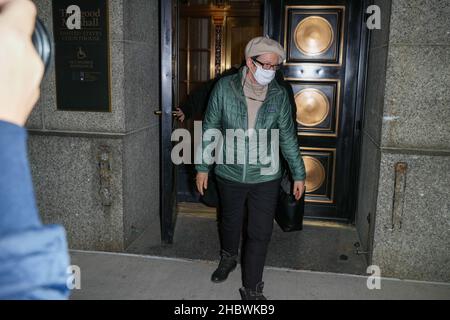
x,y
42,43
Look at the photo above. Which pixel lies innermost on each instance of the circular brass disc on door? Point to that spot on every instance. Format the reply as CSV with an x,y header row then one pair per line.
x,y
313,35
313,107
315,173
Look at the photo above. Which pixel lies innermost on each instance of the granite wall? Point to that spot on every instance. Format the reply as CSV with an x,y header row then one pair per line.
x,y
66,147
371,130
407,120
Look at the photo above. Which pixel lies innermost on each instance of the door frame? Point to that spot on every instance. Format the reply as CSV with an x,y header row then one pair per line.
x,y
360,108
167,198
272,9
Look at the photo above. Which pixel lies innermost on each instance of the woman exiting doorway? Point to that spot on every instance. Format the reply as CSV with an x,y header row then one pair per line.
x,y
251,100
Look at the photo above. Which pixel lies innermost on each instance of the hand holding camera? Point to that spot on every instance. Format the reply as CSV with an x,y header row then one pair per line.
x,y
21,67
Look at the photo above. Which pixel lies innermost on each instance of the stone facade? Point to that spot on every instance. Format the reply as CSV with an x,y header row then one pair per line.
x,y
407,116
65,146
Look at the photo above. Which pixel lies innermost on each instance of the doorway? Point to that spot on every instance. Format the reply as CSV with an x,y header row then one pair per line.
x,y
322,40
326,49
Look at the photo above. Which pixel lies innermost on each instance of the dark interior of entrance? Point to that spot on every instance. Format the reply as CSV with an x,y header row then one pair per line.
x,y
211,40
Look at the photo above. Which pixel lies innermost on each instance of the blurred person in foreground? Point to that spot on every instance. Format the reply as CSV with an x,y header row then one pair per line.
x,y
33,258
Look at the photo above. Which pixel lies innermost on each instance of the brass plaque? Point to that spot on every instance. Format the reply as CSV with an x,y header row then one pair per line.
x,y
315,173
313,36
313,107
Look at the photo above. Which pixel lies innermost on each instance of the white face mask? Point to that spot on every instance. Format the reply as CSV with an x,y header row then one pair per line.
x,y
262,76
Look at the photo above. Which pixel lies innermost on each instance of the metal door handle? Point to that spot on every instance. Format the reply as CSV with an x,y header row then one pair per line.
x,y
159,113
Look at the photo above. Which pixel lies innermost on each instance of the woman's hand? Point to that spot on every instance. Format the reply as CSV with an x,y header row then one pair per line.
x,y
202,182
299,187
180,115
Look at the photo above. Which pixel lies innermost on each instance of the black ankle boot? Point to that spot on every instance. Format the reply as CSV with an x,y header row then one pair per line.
x,y
227,264
250,294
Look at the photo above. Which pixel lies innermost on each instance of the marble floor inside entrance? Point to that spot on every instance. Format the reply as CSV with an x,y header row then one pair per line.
x,y
320,246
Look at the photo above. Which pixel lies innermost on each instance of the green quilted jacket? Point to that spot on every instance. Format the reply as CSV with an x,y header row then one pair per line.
x,y
227,109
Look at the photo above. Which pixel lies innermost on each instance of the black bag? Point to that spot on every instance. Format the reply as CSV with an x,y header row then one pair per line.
x,y
290,212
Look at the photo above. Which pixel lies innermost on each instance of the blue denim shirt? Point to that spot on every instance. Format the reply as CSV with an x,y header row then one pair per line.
x,y
33,258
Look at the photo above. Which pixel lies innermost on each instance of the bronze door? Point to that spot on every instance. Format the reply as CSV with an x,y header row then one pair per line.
x,y
322,40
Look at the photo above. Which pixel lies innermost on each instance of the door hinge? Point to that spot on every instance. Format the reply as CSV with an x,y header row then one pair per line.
x,y
358,252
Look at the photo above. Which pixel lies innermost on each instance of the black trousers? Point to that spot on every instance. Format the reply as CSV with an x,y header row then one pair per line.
x,y
260,200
